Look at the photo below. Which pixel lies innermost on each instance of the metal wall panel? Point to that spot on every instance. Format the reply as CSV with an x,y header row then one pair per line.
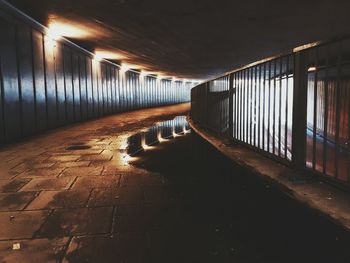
x,y
76,86
116,89
103,88
11,94
60,84
109,89
100,89
49,49
68,80
89,89
95,91
39,81
83,86
2,120
26,81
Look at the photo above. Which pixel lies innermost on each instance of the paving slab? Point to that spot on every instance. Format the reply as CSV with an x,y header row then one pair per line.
x,y
64,158
71,164
116,196
99,157
34,251
82,171
13,185
15,201
96,182
60,199
62,183
80,221
19,225
43,172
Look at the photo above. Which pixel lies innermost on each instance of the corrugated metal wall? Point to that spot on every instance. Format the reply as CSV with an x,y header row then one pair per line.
x,y
46,83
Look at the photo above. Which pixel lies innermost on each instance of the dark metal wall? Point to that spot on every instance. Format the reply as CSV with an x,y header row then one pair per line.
x,y
47,83
293,107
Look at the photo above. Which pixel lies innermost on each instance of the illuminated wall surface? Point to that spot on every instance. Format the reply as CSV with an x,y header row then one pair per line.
x,y
47,83
294,106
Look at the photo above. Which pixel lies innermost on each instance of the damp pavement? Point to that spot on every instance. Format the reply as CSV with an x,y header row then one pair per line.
x,y
140,187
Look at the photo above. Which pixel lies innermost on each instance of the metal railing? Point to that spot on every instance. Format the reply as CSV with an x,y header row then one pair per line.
x,y
293,107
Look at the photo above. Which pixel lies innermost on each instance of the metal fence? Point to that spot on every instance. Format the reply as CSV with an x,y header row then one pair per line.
x,y
46,83
293,107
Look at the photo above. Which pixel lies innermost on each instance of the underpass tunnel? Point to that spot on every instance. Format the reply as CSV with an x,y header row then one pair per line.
x,y
174,131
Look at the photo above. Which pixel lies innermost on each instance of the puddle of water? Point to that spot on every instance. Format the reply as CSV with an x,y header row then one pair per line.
x,y
163,131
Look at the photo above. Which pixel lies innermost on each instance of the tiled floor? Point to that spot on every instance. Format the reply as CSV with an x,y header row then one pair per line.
x,y
54,201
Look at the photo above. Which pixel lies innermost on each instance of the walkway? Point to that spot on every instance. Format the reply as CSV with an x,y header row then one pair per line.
x,y
54,200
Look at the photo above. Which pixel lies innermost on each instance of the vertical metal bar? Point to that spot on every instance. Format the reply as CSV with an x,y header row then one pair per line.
x,y
236,105
247,90
315,113
280,109
325,123
264,106
240,108
230,107
337,118
287,100
243,104
274,108
255,96
259,109
251,106
269,109
299,110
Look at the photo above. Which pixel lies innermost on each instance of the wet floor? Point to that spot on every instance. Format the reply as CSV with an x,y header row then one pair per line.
x,y
210,210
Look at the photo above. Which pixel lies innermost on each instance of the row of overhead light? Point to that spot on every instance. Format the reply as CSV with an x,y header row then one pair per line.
x,y
57,30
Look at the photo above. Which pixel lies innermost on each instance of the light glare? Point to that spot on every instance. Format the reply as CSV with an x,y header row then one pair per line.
x,y
57,30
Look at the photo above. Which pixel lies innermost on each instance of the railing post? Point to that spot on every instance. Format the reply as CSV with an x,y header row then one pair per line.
x,y
299,110
206,104
230,107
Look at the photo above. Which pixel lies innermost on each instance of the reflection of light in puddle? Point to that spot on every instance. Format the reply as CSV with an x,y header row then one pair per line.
x,y
175,134
127,158
160,138
185,131
144,145
146,139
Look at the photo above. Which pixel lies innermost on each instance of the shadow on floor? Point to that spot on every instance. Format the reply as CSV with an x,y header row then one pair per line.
x,y
212,211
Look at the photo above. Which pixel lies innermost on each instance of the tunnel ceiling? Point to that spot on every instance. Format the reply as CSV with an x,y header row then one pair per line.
x,y
194,38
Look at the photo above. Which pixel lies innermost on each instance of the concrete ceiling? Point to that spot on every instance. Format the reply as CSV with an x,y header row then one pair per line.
x,y
195,38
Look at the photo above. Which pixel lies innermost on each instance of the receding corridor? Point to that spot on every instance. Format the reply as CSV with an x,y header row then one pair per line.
x,y
184,131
